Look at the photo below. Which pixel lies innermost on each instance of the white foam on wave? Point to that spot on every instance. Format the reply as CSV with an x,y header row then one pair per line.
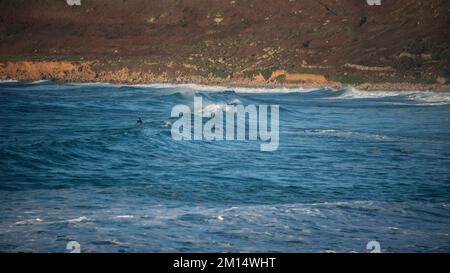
x,y
40,81
99,84
124,217
208,88
29,222
430,98
341,134
40,221
235,102
353,93
8,81
213,107
420,97
78,220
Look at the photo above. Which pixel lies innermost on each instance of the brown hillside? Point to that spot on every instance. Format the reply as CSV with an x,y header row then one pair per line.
x,y
402,38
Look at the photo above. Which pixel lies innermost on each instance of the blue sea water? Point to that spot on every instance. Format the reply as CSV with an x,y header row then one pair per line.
x,y
351,167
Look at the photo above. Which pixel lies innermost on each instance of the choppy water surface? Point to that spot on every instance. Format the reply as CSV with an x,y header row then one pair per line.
x,y
351,167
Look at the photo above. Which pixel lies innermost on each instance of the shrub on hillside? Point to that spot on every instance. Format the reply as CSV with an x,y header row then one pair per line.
x,y
405,63
444,69
418,46
219,73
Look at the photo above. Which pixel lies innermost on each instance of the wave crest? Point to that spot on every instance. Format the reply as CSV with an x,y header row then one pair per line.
x,y
419,97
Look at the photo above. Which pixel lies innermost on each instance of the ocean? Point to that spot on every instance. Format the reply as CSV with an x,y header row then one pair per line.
x,y
351,167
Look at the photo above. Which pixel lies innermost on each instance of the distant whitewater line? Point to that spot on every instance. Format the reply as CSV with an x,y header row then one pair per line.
x,y
418,96
6,81
220,88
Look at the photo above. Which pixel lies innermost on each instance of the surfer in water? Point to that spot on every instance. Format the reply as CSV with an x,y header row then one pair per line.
x,y
139,121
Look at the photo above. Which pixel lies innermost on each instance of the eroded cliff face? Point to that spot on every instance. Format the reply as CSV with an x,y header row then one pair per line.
x,y
92,71
81,71
29,70
148,73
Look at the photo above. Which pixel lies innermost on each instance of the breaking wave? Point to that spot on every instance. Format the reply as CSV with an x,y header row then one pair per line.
x,y
352,166
419,97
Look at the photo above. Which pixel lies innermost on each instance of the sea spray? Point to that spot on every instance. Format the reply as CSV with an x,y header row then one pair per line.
x,y
214,129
